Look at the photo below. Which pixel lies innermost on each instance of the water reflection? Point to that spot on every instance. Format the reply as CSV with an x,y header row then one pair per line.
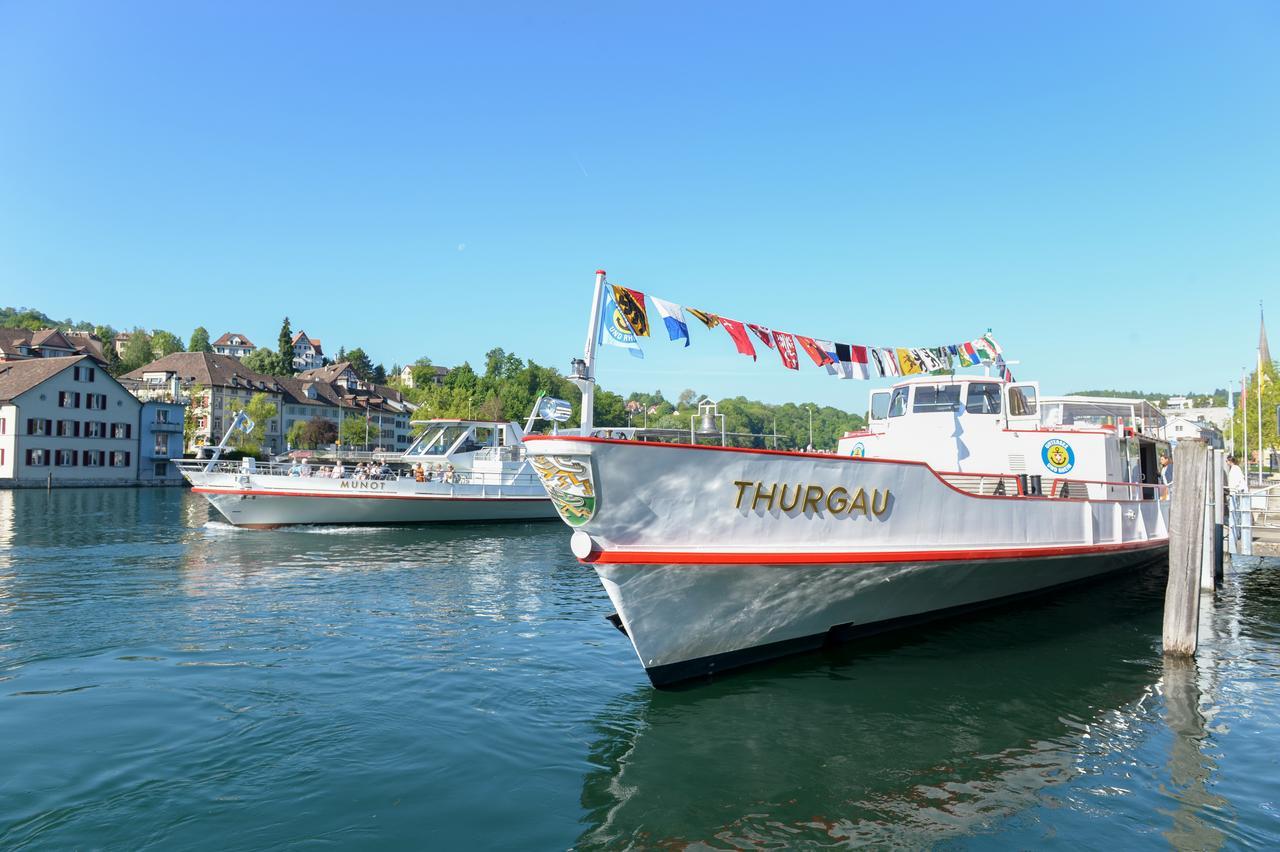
x,y
904,743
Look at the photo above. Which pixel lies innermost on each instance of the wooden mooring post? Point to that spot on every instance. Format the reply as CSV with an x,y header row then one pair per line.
x,y
1187,541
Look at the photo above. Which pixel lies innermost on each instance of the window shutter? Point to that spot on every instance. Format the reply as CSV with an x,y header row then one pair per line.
x,y
91,373
127,456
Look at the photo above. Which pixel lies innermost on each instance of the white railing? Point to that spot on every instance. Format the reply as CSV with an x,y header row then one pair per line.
x,y
399,474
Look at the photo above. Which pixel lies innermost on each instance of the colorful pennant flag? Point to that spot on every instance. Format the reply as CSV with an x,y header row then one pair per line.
x,y
673,317
982,349
615,329
891,361
763,333
631,302
738,332
709,320
787,350
833,360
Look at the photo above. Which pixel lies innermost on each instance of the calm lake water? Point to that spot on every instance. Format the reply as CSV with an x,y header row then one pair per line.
x,y
169,682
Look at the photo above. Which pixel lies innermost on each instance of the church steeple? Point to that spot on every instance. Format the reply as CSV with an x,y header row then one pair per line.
x,y
1264,351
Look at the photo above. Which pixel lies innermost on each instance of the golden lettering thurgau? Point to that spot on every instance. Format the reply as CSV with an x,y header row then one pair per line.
x,y
811,498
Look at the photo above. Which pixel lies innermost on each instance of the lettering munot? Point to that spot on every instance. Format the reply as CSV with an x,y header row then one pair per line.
x,y
361,485
803,499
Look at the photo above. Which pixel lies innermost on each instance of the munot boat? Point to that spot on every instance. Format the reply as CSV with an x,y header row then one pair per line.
x,y
962,493
457,470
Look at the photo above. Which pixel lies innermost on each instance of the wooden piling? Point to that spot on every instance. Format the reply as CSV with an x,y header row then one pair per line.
x,y
1186,547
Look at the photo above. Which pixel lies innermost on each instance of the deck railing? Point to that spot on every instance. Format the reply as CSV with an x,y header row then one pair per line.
x,y
1052,488
399,474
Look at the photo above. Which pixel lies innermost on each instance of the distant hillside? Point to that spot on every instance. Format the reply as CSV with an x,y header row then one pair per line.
x,y
32,319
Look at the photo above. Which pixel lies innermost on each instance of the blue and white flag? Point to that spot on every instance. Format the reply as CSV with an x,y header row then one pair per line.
x,y
615,330
554,409
673,317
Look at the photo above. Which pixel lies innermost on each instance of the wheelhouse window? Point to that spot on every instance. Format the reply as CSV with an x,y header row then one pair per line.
x,y
983,398
898,402
933,398
879,405
1022,401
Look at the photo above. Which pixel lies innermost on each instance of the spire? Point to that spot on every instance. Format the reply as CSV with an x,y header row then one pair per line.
x,y
1264,351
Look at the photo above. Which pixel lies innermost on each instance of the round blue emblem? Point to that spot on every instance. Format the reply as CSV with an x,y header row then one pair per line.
x,y
1058,456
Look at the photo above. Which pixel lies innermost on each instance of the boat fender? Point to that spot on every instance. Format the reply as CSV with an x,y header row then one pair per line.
x,y
581,544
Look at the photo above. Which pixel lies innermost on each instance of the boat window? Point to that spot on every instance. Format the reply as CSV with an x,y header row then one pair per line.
x,y
930,398
983,398
879,405
439,443
898,402
1022,401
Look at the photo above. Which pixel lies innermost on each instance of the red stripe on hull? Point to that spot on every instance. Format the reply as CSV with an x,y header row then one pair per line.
x,y
649,557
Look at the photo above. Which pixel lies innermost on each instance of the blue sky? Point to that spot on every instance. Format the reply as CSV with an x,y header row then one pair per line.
x,y
1099,183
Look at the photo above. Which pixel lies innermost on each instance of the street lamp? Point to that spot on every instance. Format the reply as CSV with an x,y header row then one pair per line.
x,y
811,426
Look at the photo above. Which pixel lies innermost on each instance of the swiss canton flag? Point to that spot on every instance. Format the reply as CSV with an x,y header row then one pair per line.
x,y
766,336
815,351
787,350
739,334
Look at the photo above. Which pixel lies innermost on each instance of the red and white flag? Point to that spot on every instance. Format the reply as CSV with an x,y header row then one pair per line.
x,y
816,351
739,334
763,333
861,369
787,350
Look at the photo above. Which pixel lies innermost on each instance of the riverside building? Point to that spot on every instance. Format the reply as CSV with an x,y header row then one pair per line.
x,y
65,421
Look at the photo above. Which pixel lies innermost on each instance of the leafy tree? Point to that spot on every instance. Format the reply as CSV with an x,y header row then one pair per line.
x,y
319,431
424,361
107,335
341,355
265,361
380,375
358,432
137,351
285,348
163,343
260,410
687,398
361,364
1248,406
200,340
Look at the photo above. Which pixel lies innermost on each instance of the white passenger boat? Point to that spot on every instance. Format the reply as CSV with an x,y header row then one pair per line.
x,y
957,496
458,470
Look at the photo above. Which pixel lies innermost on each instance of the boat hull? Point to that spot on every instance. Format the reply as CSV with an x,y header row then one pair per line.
x,y
717,557
265,510
689,621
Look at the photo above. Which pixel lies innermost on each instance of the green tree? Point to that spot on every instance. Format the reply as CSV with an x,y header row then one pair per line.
x,y
1248,407
285,348
137,351
164,343
309,434
361,364
200,340
265,361
260,410
107,335
380,375
357,433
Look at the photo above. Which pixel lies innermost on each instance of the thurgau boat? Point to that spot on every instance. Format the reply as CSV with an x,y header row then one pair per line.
x,y
957,496
457,470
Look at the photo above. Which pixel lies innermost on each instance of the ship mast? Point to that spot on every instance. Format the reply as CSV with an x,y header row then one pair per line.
x,y
584,371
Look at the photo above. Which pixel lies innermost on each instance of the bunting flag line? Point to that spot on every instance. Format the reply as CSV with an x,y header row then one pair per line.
x,y
738,332
615,329
631,303
766,336
787,350
625,318
673,317
709,320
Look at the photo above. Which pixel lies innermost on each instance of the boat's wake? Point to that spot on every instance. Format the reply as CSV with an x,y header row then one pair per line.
x,y
222,528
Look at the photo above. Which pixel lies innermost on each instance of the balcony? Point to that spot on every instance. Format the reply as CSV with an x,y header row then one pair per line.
x,y
165,426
